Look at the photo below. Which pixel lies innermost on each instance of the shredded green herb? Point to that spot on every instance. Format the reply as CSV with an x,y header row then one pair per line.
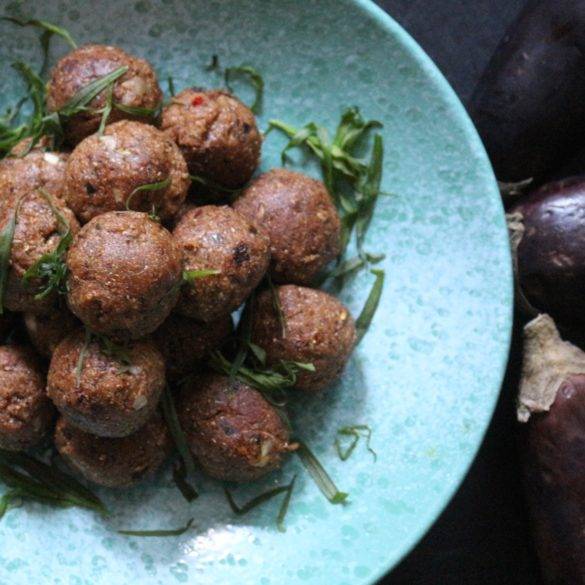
x,y
48,30
106,110
277,306
171,84
356,432
187,461
160,533
43,483
193,275
285,505
244,337
351,266
263,498
319,475
44,26
272,382
255,501
252,75
138,110
364,320
79,102
158,186
51,268
6,237
212,185
183,485
42,123
246,72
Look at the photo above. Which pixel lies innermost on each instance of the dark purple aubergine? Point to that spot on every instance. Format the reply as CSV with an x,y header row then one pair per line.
x,y
551,253
552,404
555,484
529,106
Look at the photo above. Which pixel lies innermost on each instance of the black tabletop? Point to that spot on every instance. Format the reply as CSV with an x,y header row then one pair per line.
x,y
482,537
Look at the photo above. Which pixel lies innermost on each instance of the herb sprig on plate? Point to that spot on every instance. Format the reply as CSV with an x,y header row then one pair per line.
x,y
28,478
246,72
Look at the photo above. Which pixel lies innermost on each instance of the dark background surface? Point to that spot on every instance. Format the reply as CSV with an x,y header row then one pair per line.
x,y
482,537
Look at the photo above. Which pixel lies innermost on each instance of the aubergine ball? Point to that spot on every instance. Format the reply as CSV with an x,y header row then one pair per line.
x,y
26,413
36,170
109,172
39,227
298,215
46,331
124,274
318,329
217,134
232,430
551,252
218,238
136,88
185,342
103,393
116,462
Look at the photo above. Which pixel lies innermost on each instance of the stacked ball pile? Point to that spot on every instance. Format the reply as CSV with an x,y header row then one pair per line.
x,y
138,227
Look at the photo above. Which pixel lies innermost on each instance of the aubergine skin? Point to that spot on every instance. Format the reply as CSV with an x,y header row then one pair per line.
x,y
554,471
551,253
529,105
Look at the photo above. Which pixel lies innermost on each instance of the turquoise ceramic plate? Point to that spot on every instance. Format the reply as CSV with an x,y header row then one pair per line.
x,y
426,376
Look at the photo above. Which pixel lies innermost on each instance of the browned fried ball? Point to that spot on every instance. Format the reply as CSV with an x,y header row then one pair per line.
x,y
185,342
124,274
297,214
39,226
115,462
136,88
104,393
26,413
23,175
219,238
318,329
217,134
106,173
46,331
232,430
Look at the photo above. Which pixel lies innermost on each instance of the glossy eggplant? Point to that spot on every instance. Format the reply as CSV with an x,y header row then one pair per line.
x,y
550,250
552,401
529,106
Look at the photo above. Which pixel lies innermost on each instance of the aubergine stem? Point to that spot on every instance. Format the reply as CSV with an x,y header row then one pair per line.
x,y
548,361
516,229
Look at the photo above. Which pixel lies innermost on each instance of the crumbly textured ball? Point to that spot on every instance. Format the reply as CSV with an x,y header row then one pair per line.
x,y
297,214
105,394
105,173
218,238
38,169
185,342
124,274
217,134
318,330
47,331
26,413
234,433
38,231
115,462
137,88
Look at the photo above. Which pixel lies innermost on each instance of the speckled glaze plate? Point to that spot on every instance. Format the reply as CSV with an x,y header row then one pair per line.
x,y
426,376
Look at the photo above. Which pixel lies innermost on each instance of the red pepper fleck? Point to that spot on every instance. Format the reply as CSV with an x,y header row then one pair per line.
x,y
197,100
